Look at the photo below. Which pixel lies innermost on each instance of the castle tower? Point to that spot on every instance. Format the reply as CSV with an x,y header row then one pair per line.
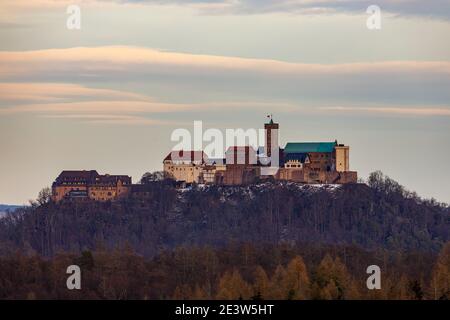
x,y
271,138
342,158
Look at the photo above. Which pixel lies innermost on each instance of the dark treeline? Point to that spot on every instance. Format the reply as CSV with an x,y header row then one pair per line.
x,y
263,241
233,272
380,215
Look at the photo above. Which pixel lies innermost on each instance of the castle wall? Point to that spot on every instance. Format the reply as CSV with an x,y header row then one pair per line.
x,y
342,158
321,160
307,175
189,173
238,174
59,192
291,174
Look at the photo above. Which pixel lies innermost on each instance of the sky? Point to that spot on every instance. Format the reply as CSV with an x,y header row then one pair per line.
x,y
108,96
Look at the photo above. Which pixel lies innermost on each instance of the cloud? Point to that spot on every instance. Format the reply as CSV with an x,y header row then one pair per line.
x,y
93,105
175,75
108,119
432,9
439,9
422,111
43,82
98,106
92,62
52,92
73,101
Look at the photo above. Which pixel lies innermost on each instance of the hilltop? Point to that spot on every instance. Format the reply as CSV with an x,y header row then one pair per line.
x,y
380,215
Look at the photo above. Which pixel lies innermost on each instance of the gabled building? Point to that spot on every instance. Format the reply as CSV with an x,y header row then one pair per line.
x,y
88,184
317,162
73,183
318,155
110,187
296,160
185,166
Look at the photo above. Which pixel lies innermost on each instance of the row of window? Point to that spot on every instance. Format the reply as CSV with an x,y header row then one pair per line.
x,y
326,155
103,188
73,182
181,169
293,166
109,194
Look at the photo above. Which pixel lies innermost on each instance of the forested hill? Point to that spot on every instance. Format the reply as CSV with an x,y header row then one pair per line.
x,y
380,214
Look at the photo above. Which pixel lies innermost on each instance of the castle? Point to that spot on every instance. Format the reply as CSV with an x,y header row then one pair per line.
x,y
303,162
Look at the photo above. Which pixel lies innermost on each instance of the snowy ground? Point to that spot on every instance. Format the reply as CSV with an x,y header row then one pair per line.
x,y
250,190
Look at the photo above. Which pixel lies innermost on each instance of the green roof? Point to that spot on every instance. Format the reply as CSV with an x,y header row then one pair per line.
x,y
306,147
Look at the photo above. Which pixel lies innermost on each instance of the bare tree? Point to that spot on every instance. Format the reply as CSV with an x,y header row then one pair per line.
x,y
44,196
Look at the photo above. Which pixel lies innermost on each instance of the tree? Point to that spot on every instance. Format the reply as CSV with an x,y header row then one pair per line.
x,y
333,280
381,183
416,289
296,279
232,287
199,294
402,289
44,196
440,282
261,283
277,289
152,177
183,292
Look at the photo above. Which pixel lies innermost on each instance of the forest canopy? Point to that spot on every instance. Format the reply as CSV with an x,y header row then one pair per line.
x,y
269,240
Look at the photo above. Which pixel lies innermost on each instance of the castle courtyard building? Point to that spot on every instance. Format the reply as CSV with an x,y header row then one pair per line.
x,y
88,184
186,166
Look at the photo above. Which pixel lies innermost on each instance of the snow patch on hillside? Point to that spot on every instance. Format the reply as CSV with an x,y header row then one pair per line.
x,y
249,191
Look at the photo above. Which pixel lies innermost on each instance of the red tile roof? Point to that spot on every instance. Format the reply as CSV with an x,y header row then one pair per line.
x,y
89,177
77,176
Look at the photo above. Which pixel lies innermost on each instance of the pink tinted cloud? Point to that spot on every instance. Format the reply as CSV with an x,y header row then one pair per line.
x,y
393,110
96,61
